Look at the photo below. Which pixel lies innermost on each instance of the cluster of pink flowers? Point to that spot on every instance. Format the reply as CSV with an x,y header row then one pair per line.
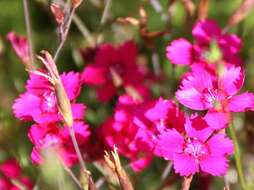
x,y
12,178
110,68
141,128
39,104
210,86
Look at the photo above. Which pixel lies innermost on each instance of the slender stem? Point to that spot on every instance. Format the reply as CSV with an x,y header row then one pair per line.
x,y
29,32
186,183
64,36
156,63
100,182
83,29
72,175
166,171
105,12
103,21
237,155
76,147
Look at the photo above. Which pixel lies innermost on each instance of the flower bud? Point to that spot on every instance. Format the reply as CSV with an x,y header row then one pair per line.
x,y
63,101
58,13
21,48
76,3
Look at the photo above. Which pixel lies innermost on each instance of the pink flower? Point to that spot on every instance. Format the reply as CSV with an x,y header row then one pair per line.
x,y
180,52
39,102
199,149
113,67
10,170
165,114
122,132
202,90
205,32
45,136
20,46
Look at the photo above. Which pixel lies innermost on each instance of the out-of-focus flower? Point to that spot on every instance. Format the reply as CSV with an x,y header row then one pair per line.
x,y
48,136
206,33
21,47
12,178
120,131
114,67
199,149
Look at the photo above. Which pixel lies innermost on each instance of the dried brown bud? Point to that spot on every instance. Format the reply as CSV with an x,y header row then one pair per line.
x,y
186,182
128,20
76,3
58,13
203,9
113,161
189,7
241,12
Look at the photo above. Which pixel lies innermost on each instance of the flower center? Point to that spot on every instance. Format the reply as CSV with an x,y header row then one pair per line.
x,y
49,102
195,148
50,140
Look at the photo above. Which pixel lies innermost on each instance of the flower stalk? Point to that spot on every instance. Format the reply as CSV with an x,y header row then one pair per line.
x,y
29,33
113,161
237,156
186,182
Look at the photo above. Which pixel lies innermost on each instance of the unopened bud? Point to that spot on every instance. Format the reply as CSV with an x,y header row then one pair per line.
x,y
58,13
64,104
63,101
21,48
76,3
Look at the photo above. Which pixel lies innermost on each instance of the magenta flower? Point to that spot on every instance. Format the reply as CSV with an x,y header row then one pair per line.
x,y
198,150
122,132
114,67
20,46
183,52
166,114
45,136
202,90
10,171
39,102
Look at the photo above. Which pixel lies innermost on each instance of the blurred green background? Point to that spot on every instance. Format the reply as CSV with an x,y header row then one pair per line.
x,y
13,133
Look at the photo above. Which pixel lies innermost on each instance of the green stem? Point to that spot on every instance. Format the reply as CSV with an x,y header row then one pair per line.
x,y
237,155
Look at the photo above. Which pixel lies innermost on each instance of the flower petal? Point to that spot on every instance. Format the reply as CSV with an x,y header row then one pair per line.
x,y
191,92
185,165
231,79
216,120
242,102
217,166
196,127
72,84
141,163
93,75
26,106
220,145
205,30
106,92
10,168
180,52
169,143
